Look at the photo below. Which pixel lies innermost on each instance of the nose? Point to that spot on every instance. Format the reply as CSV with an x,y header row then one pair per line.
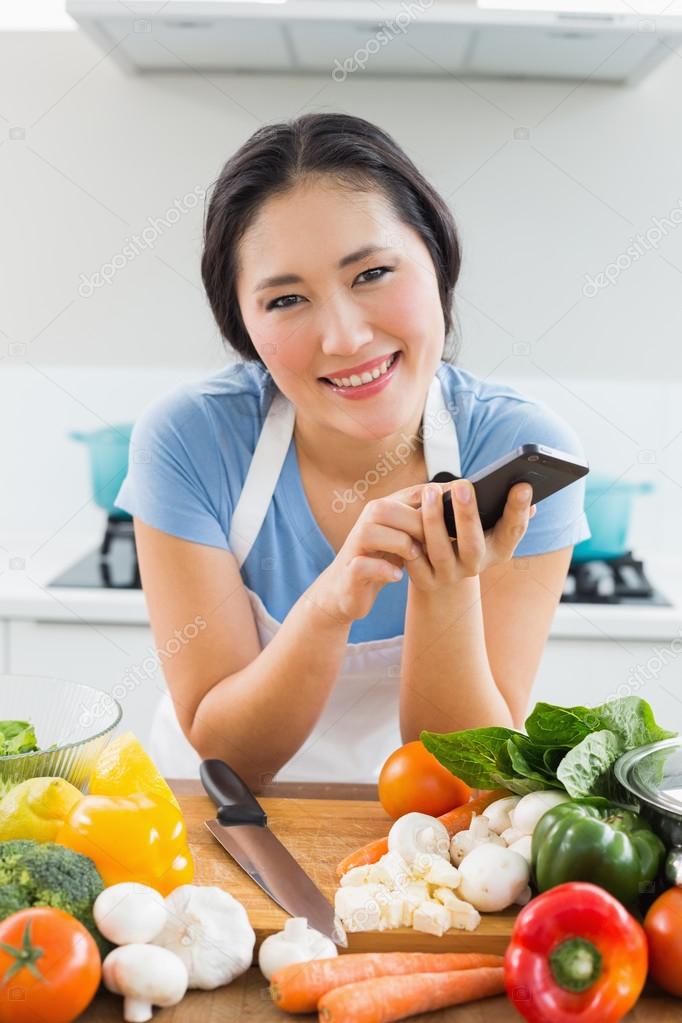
x,y
343,326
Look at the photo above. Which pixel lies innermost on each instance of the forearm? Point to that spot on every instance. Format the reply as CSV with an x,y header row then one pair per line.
x,y
259,717
446,681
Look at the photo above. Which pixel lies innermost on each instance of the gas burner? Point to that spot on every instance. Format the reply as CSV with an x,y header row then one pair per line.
x,y
611,581
112,565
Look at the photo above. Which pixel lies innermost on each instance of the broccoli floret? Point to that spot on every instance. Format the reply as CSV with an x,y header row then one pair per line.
x,y
48,874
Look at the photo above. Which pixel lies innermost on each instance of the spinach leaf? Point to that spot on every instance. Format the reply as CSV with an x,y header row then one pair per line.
x,y
632,720
582,770
552,757
548,725
471,754
527,761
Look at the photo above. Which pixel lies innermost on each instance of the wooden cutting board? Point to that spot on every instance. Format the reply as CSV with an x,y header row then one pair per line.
x,y
319,833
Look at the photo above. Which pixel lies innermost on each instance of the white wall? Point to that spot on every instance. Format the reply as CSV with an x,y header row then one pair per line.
x,y
549,182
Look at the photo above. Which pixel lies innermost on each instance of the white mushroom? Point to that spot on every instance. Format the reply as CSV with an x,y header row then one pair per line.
x,y
416,833
523,846
493,877
531,808
297,943
145,975
478,833
510,835
498,813
129,913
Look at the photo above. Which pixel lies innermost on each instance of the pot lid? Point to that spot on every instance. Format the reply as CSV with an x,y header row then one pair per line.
x,y
653,774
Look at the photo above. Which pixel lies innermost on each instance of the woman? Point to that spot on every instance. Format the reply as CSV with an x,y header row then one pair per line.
x,y
284,502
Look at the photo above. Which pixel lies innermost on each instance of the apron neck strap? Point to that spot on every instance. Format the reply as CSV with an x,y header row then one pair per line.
x,y
261,479
441,449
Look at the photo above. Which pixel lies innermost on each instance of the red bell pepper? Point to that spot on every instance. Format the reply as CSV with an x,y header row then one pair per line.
x,y
576,956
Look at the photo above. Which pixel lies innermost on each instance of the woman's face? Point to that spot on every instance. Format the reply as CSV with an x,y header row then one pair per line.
x,y
335,318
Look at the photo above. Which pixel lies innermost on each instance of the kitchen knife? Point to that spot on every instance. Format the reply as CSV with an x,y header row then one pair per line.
x,y
241,828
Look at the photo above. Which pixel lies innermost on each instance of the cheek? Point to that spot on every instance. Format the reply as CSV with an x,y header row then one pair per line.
x,y
413,311
282,342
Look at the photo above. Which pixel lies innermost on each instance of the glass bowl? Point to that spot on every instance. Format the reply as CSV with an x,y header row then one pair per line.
x,y
73,723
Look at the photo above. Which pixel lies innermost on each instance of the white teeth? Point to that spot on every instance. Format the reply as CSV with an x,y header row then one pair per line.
x,y
364,378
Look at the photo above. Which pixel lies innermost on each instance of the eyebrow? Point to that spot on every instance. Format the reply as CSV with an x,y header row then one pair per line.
x,y
353,257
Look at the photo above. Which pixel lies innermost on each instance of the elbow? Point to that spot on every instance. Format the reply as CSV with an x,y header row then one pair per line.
x,y
210,745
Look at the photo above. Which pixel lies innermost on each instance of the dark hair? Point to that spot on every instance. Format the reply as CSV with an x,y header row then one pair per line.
x,y
279,156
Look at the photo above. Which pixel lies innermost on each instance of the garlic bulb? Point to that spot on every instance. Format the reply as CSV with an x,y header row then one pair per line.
x,y
210,931
297,943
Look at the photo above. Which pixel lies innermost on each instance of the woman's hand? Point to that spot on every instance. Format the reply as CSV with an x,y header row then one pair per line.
x,y
444,562
381,541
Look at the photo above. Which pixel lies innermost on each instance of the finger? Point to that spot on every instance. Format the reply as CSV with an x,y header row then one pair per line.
x,y
365,569
412,496
377,538
471,542
438,545
388,512
511,528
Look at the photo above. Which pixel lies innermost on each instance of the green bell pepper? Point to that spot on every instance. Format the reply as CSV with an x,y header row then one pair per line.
x,y
592,839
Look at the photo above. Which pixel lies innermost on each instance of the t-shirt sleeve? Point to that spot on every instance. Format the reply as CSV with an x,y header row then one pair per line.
x,y
174,482
560,519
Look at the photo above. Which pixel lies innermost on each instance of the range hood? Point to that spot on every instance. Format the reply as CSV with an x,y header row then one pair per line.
x,y
363,37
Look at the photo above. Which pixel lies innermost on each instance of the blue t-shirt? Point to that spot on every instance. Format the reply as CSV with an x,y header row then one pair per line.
x,y
190,452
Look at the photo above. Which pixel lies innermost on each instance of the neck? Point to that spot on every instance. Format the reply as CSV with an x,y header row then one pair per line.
x,y
384,463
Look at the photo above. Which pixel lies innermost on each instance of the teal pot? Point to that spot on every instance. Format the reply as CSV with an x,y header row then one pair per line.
x,y
608,506
108,452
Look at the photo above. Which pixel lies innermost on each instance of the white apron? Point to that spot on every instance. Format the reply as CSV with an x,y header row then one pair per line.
x,y
359,725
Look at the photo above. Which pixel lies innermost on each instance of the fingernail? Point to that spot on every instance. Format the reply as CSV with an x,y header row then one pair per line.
x,y
463,492
414,550
430,495
524,493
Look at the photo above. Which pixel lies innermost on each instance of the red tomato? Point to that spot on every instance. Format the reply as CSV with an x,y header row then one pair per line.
x,y
59,967
412,780
663,928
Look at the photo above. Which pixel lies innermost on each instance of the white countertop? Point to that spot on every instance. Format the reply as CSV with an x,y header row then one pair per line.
x,y
25,594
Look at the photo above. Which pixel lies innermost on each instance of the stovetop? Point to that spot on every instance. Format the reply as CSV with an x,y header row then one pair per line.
x,y
113,565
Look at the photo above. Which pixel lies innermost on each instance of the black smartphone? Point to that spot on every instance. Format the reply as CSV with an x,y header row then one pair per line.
x,y
546,469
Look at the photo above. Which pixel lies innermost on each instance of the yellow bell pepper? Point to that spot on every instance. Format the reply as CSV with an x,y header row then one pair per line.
x,y
131,838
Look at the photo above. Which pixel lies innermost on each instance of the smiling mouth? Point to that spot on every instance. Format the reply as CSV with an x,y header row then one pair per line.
x,y
360,379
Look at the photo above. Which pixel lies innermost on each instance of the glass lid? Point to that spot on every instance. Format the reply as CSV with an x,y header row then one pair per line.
x,y
653,773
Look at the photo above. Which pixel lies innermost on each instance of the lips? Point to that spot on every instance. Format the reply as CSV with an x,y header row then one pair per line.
x,y
364,367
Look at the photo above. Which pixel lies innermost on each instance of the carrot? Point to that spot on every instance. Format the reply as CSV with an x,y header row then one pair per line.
x,y
385,999
455,820
299,986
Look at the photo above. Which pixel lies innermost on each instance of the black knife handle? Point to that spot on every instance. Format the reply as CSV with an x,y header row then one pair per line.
x,y
235,801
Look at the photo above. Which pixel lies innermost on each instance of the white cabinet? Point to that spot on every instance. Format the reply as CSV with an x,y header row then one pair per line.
x,y
587,672
120,659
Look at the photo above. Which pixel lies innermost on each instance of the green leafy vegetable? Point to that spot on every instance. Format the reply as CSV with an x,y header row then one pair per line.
x,y
474,751
17,737
583,767
571,748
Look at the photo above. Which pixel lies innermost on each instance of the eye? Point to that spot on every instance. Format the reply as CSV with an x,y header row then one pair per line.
x,y
381,270
376,270
274,304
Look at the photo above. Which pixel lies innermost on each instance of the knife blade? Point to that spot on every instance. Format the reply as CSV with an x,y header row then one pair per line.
x,y
241,828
